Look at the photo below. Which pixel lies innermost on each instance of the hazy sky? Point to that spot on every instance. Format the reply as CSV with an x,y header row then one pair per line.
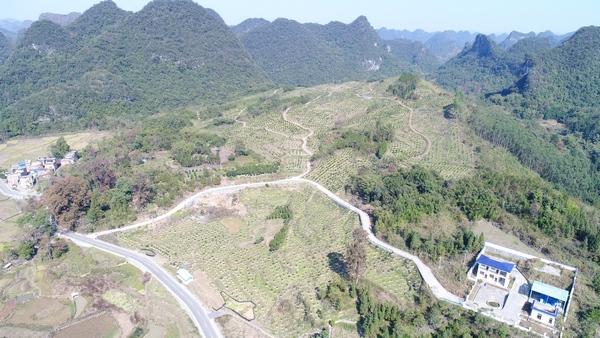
x,y
560,16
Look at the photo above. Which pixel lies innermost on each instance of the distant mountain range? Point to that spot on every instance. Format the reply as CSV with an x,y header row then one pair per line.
x,y
60,19
292,53
108,63
447,44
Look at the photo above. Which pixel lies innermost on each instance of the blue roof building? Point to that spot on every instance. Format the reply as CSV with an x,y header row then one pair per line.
x,y
494,270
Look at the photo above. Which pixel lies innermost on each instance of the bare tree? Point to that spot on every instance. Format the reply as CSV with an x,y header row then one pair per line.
x,y
356,255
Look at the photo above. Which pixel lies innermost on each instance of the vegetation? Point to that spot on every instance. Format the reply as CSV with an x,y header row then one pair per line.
x,y
571,169
482,68
285,213
356,255
295,54
253,170
404,87
110,66
60,148
378,319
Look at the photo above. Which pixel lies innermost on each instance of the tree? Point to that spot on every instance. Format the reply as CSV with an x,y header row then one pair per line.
x,y
101,174
26,250
356,255
60,148
67,200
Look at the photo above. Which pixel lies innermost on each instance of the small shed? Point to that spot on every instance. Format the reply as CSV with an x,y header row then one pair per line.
x,y
185,276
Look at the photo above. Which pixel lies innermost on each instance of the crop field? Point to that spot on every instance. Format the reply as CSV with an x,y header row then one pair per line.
x,y
228,240
335,171
19,149
36,299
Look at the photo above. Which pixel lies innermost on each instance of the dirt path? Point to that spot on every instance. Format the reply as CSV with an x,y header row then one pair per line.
x,y
304,138
236,119
414,130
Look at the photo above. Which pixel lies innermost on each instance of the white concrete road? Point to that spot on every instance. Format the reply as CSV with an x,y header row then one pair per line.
x,y
14,194
188,301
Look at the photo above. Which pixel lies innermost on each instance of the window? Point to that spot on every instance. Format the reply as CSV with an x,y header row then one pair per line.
x,y
503,273
502,281
539,316
550,320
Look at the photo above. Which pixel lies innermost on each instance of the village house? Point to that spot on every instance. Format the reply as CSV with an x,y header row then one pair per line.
x,y
24,175
70,158
547,302
493,270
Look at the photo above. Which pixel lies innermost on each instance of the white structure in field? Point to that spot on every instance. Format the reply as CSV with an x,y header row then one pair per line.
x,y
184,276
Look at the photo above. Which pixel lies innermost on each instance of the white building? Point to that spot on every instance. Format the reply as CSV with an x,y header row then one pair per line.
x,y
493,270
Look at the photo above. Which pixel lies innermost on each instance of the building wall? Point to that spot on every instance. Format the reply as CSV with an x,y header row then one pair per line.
x,y
493,275
542,317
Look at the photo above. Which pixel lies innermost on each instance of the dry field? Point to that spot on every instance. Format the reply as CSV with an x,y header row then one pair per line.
x,y
18,149
113,298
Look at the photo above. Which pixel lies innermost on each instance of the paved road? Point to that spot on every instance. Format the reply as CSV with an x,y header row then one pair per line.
x,y
436,287
199,315
17,195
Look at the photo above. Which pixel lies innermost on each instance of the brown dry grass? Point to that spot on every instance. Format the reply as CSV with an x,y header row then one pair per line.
x,y
18,149
43,312
101,326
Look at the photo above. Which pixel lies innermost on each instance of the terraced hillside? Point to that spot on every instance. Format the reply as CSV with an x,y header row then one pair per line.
x,y
274,125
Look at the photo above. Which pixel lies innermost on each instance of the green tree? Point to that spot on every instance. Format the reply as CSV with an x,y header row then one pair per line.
x,y
60,148
356,255
26,250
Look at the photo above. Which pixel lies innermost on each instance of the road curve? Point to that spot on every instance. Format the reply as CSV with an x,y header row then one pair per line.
x,y
436,287
188,301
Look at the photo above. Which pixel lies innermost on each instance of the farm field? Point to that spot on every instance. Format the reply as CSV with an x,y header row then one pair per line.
x,y
86,293
223,241
274,132
18,149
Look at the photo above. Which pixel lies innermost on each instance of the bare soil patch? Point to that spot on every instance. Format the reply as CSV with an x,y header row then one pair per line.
x,y
96,327
205,290
232,224
42,312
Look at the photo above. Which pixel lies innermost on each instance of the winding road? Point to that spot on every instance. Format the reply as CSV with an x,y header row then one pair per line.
x,y
190,303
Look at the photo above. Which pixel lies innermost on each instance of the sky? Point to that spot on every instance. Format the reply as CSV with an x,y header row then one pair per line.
x,y
560,16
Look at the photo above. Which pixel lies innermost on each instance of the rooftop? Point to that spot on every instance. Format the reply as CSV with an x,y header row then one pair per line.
x,y
549,290
495,263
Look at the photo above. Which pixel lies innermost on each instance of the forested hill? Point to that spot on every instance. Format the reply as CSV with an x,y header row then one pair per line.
x,y
415,53
567,77
481,68
248,25
292,53
110,63
4,48
60,19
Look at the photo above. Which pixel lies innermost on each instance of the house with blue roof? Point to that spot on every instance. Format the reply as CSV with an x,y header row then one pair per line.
x,y
547,302
493,270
